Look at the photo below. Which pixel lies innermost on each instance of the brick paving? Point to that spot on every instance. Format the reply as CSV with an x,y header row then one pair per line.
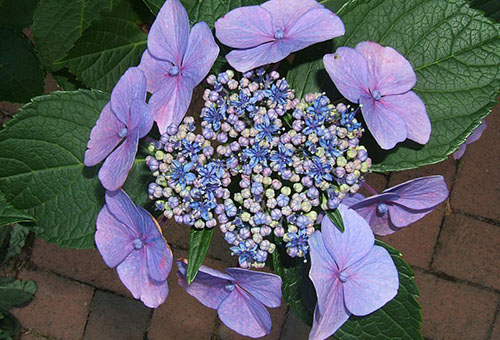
x,y
454,252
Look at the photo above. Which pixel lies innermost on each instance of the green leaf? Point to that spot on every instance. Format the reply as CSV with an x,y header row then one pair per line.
x,y
113,43
17,14
336,218
9,326
67,81
21,75
490,7
199,241
42,170
17,240
455,52
9,215
15,293
399,319
57,24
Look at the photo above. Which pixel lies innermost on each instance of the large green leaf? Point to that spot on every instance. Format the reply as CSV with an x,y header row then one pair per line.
x,y
199,242
21,75
42,170
57,24
455,52
490,7
17,14
9,214
9,326
113,43
399,319
15,293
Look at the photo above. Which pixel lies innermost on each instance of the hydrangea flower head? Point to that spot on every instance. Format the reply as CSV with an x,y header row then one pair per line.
x,y
239,296
177,59
401,205
270,32
129,238
351,275
381,79
125,118
474,137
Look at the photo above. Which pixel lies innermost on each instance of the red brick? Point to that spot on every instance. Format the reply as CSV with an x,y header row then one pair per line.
x,y
294,328
278,315
454,311
31,336
60,307
82,265
477,190
182,316
495,334
116,317
466,250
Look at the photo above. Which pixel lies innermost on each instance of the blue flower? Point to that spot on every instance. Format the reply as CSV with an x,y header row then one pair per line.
x,y
209,174
319,170
256,154
181,173
203,207
240,105
278,93
266,129
246,256
214,115
298,243
320,108
347,120
330,147
190,149
282,157
314,124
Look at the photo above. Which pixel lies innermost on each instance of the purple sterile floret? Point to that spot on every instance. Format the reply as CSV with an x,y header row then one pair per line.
x,y
270,32
401,205
380,80
125,118
129,238
177,59
474,137
351,275
239,296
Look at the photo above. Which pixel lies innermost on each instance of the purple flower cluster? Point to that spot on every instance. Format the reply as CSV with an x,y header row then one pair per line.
x,y
264,166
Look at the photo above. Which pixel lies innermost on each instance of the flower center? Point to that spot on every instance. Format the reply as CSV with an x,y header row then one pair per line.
x,y
279,34
123,132
376,95
229,287
174,70
138,243
343,276
382,208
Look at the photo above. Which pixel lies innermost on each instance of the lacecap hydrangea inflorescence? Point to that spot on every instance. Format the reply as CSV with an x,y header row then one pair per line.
x,y
264,168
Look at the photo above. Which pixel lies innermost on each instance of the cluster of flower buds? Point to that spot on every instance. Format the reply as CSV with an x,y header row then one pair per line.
x,y
281,161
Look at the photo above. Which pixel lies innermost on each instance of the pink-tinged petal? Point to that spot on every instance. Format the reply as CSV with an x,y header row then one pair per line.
x,y
209,286
104,137
386,126
351,245
171,102
352,199
265,287
349,72
113,239
371,282
201,53
115,169
124,210
334,313
245,27
315,26
381,224
373,201
133,273
411,109
286,12
141,118
158,254
471,139
268,53
324,270
244,314
169,34
421,193
157,71
131,86
390,72
401,216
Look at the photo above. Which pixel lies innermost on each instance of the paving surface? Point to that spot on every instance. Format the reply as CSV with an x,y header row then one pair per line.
x,y
454,252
